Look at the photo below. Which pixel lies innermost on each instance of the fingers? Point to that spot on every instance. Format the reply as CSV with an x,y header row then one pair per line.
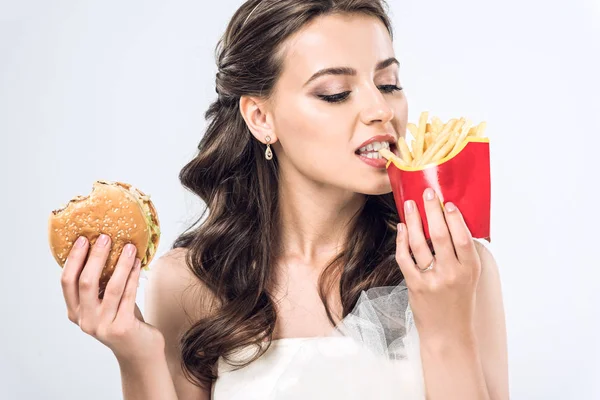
x,y
127,307
69,279
403,258
89,281
416,237
461,236
438,229
116,284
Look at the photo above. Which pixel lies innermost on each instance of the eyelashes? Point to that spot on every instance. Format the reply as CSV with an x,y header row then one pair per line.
x,y
340,97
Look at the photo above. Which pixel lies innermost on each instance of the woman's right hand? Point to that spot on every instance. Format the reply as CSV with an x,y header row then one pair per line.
x,y
114,320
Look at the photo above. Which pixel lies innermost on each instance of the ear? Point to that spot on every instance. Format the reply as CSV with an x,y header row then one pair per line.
x,y
256,114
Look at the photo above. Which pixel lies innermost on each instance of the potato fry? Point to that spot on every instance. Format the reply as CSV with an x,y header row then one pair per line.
x,y
428,128
388,155
445,150
412,128
435,147
429,137
458,126
418,151
437,125
463,135
450,123
438,142
481,129
404,151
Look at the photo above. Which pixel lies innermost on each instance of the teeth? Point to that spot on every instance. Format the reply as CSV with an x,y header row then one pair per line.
x,y
375,146
372,155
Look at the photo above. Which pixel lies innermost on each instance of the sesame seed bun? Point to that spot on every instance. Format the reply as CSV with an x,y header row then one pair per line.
x,y
114,208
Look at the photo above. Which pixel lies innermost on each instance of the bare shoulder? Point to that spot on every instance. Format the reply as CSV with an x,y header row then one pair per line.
x,y
175,299
174,288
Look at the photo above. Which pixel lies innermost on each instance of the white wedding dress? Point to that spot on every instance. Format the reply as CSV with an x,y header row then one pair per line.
x,y
373,353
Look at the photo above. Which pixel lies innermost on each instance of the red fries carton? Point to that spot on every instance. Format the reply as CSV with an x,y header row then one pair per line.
x,y
463,179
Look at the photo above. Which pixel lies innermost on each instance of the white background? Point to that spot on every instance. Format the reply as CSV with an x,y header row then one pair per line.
x,y
117,90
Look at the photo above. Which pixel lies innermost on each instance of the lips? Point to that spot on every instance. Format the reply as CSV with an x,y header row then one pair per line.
x,y
378,163
388,137
392,147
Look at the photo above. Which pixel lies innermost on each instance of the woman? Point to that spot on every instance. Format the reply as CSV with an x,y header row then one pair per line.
x,y
300,224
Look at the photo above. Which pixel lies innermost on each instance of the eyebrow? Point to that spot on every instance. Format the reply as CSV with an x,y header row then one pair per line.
x,y
350,71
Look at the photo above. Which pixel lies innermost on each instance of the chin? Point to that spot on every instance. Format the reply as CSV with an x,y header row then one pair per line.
x,y
375,187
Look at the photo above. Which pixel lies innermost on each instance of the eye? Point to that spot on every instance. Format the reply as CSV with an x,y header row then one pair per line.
x,y
389,88
340,97
335,98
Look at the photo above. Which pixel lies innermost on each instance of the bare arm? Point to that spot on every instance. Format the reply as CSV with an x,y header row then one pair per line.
x,y
147,380
453,369
477,366
174,300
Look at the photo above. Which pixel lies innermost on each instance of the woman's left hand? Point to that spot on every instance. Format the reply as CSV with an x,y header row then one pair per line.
x,y
442,298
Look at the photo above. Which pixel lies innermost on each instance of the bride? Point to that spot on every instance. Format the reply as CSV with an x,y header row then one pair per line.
x,y
301,281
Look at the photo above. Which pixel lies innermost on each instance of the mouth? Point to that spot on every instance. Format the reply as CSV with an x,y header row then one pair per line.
x,y
372,152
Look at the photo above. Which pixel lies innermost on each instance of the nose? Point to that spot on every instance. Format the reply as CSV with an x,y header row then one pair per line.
x,y
376,109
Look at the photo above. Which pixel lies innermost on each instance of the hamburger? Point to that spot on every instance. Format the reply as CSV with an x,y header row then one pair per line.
x,y
117,209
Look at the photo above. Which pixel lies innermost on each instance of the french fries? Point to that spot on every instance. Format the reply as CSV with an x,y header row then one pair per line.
x,y
433,141
389,155
404,151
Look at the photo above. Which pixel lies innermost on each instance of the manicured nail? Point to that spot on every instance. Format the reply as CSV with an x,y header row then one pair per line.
x,y
80,242
450,207
130,250
429,194
408,206
102,240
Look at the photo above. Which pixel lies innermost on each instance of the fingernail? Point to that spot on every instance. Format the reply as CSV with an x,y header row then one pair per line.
x,y
102,240
429,194
408,206
80,242
130,250
450,207
400,228
138,263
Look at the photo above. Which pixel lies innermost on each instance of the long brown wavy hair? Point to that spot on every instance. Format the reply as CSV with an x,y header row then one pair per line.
x,y
233,249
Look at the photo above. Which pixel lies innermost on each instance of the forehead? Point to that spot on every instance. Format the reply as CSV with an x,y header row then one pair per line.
x,y
340,40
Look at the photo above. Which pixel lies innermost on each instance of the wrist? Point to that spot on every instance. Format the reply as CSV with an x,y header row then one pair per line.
x,y
452,367
141,358
142,367
441,344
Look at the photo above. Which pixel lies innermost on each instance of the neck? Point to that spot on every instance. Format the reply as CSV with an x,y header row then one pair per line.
x,y
315,220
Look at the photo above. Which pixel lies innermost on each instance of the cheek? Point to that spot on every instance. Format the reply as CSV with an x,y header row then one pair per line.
x,y
401,118
309,129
